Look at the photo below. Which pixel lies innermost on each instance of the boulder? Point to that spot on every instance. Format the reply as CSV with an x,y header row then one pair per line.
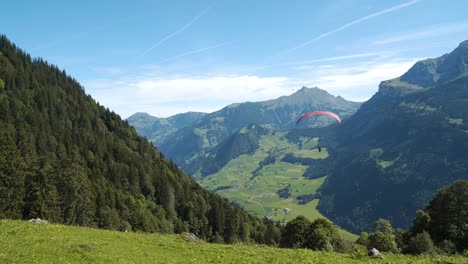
x,y
190,237
38,221
373,252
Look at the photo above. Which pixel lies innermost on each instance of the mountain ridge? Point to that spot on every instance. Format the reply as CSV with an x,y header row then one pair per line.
x,y
157,128
195,140
400,148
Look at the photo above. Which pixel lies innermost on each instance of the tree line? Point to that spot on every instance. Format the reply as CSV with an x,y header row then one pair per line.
x,y
67,159
442,227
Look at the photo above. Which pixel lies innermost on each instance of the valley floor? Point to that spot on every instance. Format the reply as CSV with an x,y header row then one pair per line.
x,y
25,242
258,194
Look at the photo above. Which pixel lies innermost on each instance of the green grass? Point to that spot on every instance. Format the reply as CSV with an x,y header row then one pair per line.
x,y
386,163
455,121
376,153
202,133
259,195
398,83
24,242
419,106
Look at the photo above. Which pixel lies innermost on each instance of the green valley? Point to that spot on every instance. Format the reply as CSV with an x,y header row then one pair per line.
x,y
266,185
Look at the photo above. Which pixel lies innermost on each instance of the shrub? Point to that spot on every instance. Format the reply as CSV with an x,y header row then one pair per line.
x,y
448,212
363,239
448,247
293,235
401,238
322,235
359,251
383,242
344,246
420,244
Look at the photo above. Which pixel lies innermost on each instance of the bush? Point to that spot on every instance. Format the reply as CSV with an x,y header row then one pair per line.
x,y
363,239
421,223
384,226
401,238
293,235
420,244
322,235
359,251
383,238
448,247
344,246
125,226
383,242
448,212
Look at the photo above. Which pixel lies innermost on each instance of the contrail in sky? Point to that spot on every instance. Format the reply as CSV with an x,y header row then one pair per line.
x,y
352,23
178,31
196,51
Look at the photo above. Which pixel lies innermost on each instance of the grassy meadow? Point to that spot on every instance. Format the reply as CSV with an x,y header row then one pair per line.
x,y
25,242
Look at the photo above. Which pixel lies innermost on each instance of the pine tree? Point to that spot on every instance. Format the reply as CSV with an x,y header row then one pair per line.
x,y
11,176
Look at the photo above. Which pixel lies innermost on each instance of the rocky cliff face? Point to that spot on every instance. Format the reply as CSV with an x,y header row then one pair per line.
x,y
406,142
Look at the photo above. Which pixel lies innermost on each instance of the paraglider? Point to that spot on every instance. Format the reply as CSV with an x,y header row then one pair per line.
x,y
319,113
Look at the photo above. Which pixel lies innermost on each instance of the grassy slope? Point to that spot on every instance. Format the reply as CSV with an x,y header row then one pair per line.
x,y
258,196
24,242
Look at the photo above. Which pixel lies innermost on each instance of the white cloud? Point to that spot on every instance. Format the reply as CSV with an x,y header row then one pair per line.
x,y
433,31
161,94
168,96
222,88
358,81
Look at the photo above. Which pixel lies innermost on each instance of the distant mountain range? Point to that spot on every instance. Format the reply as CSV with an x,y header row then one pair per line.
x,y
385,160
189,145
156,129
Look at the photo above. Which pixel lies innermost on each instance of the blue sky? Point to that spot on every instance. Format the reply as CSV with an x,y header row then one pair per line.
x,y
167,57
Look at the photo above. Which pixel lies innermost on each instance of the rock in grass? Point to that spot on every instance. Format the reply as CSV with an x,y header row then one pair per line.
x,y
373,252
190,237
38,221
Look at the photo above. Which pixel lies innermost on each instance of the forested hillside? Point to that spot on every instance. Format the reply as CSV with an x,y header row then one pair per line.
x,y
408,141
67,159
156,129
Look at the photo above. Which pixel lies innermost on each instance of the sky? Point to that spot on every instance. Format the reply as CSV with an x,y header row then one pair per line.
x,y
169,57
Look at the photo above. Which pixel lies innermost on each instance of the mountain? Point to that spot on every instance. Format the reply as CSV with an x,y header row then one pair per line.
x,y
409,140
67,159
243,141
157,129
266,172
190,145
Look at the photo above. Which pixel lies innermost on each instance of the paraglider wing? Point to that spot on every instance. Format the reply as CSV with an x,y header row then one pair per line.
x,y
319,113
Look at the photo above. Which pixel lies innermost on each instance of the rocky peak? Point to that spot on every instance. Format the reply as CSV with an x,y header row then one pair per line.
x,y
429,73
